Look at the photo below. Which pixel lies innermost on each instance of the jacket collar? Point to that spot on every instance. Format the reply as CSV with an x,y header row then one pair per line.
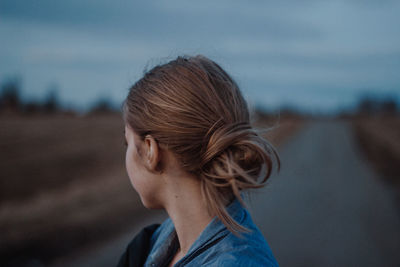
x,y
167,241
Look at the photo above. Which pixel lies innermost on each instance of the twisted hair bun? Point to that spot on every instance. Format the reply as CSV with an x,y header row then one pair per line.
x,y
236,158
194,107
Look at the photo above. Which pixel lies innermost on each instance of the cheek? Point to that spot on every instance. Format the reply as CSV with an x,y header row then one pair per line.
x,y
130,165
136,172
143,182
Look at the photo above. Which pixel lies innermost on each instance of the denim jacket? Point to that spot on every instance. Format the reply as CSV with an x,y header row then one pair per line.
x,y
216,245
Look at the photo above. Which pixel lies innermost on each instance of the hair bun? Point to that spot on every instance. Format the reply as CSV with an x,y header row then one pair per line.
x,y
236,158
220,137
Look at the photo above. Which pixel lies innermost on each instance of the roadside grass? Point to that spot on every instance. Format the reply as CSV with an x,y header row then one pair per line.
x,y
379,139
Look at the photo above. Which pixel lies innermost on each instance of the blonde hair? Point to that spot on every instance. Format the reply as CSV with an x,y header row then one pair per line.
x,y
194,107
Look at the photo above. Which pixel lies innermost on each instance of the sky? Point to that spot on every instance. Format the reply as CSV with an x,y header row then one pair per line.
x,y
312,55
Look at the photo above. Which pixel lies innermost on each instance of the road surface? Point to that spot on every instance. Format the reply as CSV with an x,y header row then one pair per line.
x,y
327,207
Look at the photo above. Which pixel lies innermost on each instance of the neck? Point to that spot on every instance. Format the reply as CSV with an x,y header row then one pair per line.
x,y
188,211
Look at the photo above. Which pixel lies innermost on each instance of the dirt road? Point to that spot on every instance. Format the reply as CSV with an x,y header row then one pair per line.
x,y
327,207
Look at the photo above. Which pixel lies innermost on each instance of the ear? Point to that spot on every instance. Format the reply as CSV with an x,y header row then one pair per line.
x,y
152,153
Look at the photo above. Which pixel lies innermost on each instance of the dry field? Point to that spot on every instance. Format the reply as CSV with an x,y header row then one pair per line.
x,y
379,139
63,185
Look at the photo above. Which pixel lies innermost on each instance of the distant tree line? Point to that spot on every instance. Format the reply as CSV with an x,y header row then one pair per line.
x,y
11,101
374,105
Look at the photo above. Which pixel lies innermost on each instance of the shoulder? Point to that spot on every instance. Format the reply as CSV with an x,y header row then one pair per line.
x,y
245,249
235,253
247,253
249,249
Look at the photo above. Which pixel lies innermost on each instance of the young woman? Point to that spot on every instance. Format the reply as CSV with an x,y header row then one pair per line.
x,y
191,150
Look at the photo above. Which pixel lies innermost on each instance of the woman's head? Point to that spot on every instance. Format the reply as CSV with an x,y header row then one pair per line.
x,y
195,110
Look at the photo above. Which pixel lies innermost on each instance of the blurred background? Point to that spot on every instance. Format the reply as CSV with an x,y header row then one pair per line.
x,y
322,75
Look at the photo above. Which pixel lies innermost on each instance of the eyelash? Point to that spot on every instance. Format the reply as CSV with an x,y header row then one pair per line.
x,y
125,144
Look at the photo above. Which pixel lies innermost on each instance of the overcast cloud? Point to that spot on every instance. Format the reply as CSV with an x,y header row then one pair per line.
x,y
317,55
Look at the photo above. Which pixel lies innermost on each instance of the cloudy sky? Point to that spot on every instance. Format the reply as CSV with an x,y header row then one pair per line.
x,y
315,55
